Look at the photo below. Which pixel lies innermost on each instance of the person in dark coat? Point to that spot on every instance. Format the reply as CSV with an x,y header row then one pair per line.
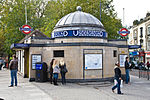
x,y
127,68
148,65
117,77
13,69
51,71
63,71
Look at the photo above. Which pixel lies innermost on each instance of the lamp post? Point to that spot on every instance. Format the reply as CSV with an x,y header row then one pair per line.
x,y
100,9
26,14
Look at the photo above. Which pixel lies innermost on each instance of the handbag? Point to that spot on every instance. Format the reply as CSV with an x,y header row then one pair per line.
x,y
64,70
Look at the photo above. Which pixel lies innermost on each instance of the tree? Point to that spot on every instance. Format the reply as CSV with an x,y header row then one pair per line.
x,y
147,14
44,15
55,10
12,17
135,22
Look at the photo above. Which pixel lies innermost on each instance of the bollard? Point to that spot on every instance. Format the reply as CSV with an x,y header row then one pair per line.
x,y
139,73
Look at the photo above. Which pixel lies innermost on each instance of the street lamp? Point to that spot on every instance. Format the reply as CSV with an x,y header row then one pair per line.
x,y
100,9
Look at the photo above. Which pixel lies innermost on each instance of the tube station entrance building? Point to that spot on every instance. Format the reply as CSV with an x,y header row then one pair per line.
x,y
81,40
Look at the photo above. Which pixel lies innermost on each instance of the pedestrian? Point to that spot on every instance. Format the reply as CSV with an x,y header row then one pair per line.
x,y
56,71
148,65
127,67
63,71
51,71
117,78
1,63
13,69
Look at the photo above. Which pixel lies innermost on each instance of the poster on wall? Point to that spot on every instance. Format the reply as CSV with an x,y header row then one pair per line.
x,y
36,58
122,59
93,61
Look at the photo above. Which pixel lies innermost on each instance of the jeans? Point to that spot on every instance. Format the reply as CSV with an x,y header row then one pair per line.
x,y
55,77
117,86
51,78
127,76
13,75
63,79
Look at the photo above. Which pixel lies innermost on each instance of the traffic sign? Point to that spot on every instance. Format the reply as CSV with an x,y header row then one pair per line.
x,y
26,29
124,32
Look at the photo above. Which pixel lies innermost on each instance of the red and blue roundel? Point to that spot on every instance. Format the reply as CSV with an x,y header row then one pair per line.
x,y
26,29
124,32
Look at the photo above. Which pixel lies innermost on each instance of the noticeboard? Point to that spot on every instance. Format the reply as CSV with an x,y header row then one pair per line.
x,y
122,59
93,61
36,58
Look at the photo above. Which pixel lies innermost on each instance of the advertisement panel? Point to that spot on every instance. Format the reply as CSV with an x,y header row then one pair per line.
x,y
122,59
36,58
93,61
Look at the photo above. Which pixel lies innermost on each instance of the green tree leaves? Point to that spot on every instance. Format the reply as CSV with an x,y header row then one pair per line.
x,y
44,15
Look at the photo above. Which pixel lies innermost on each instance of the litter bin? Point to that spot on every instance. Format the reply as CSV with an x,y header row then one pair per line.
x,y
41,72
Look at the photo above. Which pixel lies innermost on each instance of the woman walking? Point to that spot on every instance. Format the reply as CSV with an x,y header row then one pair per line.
x,y
117,77
63,71
56,71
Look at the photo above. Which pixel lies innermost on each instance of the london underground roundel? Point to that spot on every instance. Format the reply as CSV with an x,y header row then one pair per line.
x,y
26,29
124,32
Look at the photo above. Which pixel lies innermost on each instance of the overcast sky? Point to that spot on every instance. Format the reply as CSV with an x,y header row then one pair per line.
x,y
133,9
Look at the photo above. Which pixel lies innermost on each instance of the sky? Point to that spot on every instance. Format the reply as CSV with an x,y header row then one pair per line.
x,y
133,10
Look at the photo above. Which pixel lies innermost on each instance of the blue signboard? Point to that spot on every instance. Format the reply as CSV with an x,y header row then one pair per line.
x,y
134,46
79,33
135,53
19,45
39,66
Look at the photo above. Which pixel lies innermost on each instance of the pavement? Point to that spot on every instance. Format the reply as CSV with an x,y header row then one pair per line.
x,y
139,89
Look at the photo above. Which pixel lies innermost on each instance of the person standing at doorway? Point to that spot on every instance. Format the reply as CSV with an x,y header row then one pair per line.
x,y
56,71
127,67
117,77
51,70
63,71
13,70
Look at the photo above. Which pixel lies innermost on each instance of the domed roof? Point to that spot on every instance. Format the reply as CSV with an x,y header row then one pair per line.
x,y
79,24
79,18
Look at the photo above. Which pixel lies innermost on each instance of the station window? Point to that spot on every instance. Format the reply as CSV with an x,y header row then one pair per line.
x,y
115,53
58,53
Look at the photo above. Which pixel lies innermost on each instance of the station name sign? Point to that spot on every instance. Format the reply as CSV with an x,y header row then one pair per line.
x,y
134,46
19,45
79,33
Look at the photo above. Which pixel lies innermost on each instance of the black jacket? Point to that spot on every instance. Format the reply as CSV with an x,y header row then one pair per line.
x,y
127,65
63,68
117,73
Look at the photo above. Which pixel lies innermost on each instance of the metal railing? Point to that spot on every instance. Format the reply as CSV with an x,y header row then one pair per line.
x,y
141,73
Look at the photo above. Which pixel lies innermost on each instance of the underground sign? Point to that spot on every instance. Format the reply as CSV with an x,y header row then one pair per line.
x,y
26,29
124,32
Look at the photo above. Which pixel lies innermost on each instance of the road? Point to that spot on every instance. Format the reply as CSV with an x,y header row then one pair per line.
x,y
138,90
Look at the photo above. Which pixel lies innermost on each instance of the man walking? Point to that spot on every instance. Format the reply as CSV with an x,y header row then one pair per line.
x,y
127,70
13,70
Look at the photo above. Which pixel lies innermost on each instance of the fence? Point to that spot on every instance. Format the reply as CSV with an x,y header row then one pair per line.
x,y
141,73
